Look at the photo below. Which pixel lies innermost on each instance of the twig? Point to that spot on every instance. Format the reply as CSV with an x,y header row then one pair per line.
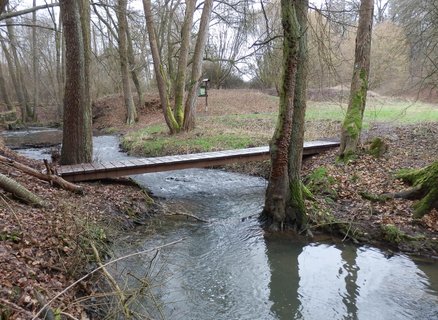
x,y
113,282
68,315
103,266
188,215
13,212
14,306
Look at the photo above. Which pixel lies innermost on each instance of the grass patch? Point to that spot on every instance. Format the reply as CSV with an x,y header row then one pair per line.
x,y
228,126
377,110
226,133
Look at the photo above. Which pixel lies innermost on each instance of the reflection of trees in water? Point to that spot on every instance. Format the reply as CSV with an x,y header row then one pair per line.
x,y
430,269
283,261
349,256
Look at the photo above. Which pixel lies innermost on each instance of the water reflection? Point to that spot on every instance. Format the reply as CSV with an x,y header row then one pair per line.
x,y
320,281
284,285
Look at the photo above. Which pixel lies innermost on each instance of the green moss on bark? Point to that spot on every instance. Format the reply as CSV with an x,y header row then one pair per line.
x,y
425,182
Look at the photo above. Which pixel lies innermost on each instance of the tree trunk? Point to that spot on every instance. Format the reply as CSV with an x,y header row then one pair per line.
x,y
295,212
3,4
4,91
277,193
59,72
160,75
77,136
19,191
14,79
131,117
183,59
21,87
35,70
425,188
190,108
352,126
132,67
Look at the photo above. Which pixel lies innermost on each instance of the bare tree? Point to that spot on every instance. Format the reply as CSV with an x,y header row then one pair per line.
x,y
352,125
77,137
174,115
124,62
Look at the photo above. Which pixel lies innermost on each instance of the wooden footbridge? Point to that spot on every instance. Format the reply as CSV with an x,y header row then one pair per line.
x,y
118,168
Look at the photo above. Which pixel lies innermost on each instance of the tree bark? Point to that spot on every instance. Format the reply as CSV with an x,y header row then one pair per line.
x,y
77,136
25,107
190,108
181,73
425,188
160,75
277,193
352,126
4,91
295,211
35,70
132,67
131,117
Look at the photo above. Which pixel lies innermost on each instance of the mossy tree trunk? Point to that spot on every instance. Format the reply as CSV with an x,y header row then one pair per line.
x,y
296,212
190,107
174,85
425,188
277,193
19,191
131,111
352,126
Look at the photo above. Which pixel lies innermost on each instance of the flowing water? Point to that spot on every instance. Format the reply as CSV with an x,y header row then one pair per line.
x,y
227,269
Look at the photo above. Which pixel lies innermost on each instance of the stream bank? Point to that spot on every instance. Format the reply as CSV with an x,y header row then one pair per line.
x,y
228,268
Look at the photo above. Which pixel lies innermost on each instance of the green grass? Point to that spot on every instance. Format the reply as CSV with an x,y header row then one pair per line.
x,y
233,131
377,110
155,141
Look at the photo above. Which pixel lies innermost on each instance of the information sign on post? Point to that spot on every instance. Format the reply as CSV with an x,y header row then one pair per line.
x,y
202,92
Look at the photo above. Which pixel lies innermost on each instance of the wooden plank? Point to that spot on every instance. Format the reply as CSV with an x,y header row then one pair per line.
x,y
115,168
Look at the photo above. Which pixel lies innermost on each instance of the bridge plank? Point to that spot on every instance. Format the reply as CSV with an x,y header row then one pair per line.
x,y
116,168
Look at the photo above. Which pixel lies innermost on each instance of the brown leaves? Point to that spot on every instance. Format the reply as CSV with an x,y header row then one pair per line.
x,y
408,147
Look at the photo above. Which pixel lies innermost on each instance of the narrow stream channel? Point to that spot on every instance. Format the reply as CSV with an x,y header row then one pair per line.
x,y
227,269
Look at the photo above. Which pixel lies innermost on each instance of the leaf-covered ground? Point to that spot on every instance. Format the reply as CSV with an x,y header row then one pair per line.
x,y
43,250
340,202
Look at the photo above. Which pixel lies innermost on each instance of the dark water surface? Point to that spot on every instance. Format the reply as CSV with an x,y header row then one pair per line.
x,y
227,269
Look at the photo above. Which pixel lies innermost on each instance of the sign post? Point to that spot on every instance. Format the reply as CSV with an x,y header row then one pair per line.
x,y
202,92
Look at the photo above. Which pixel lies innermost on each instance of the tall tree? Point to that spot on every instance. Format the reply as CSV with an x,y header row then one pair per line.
x,y
295,205
352,125
283,202
3,92
35,70
175,114
124,62
77,135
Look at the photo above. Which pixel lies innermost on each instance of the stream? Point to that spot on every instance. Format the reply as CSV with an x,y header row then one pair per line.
x,y
227,269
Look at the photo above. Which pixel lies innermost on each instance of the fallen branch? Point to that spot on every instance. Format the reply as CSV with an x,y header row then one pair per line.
x,y
188,215
46,177
101,267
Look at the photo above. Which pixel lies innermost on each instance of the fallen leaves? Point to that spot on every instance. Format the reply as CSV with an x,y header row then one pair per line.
x,y
409,147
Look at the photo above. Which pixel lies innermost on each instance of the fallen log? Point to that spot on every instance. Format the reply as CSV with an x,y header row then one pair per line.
x,y
57,180
20,192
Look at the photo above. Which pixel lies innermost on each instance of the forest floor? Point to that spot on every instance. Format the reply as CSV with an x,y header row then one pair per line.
x,y
40,247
